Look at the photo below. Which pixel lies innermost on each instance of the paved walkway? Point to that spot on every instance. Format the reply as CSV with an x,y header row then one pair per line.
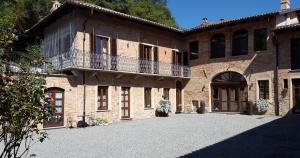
x,y
186,135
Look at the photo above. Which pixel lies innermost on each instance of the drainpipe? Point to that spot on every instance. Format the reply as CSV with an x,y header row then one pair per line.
x,y
276,76
83,123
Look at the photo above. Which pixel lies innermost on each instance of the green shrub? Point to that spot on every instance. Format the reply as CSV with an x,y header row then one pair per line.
x,y
102,122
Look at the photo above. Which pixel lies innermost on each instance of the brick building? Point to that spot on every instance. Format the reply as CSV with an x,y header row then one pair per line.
x,y
116,66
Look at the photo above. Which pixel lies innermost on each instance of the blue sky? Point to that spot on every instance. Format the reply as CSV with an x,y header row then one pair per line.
x,y
189,13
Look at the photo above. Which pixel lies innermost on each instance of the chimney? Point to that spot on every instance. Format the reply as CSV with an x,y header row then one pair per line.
x,y
205,21
55,5
285,5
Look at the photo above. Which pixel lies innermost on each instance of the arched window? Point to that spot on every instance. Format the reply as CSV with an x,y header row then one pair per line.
x,y
217,46
55,107
240,43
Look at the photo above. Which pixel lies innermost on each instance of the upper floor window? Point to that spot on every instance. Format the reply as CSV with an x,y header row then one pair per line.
x,y
260,39
217,46
101,45
102,98
240,43
263,86
194,48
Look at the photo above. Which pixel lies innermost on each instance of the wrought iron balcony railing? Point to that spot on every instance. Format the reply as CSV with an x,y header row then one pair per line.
x,y
107,62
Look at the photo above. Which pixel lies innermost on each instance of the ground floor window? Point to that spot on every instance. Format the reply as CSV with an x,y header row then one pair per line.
x,y
102,101
263,89
147,97
166,93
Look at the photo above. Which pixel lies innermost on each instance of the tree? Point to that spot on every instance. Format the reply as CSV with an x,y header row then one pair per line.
x,y
154,10
21,111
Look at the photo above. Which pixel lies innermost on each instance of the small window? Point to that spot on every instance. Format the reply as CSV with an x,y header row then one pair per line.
x,y
166,93
260,39
102,98
286,83
240,43
217,46
194,48
147,97
263,89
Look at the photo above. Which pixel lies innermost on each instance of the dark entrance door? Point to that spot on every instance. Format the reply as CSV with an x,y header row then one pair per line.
x,y
229,93
178,97
125,102
55,108
295,54
296,96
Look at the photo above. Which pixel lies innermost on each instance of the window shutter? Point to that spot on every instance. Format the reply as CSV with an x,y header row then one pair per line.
x,y
92,43
141,52
113,46
156,54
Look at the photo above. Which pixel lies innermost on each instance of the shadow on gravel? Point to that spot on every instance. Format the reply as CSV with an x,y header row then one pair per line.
x,y
277,139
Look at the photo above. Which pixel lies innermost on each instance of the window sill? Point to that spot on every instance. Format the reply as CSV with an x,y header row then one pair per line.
x,y
148,108
262,51
103,110
296,70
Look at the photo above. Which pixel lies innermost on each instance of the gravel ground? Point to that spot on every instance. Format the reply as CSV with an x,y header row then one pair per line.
x,y
186,135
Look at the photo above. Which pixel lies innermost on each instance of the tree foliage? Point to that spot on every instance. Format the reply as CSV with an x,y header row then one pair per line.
x,y
21,111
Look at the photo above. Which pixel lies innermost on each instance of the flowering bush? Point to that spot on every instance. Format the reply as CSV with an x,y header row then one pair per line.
x,y
164,107
102,122
262,105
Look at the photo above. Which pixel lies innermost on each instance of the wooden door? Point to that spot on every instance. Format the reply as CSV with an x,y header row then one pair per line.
x,y
224,99
145,59
233,103
178,97
55,108
101,52
176,68
125,96
296,96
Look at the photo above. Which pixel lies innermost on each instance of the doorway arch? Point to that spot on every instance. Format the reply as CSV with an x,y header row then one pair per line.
x,y
229,92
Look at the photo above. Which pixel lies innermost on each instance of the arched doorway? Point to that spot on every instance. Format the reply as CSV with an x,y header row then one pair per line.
x,y
229,92
55,107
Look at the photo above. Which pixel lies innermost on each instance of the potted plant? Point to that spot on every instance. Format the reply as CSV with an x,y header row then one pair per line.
x,y
201,109
163,109
262,106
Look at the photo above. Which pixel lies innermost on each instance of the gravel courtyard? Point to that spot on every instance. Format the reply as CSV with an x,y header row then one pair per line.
x,y
185,135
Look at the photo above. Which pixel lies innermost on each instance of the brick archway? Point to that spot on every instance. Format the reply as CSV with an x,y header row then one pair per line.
x,y
229,92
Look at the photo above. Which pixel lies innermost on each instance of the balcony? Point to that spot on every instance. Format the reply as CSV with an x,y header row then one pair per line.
x,y
76,59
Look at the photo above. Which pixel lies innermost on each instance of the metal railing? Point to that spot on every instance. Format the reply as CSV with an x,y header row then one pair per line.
x,y
77,59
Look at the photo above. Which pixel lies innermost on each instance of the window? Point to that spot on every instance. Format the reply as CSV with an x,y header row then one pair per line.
x,y
217,46
260,39
101,45
286,83
147,97
263,89
166,93
102,101
240,43
194,48
295,54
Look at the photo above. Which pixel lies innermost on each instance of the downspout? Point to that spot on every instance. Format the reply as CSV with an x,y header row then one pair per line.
x,y
83,122
276,76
